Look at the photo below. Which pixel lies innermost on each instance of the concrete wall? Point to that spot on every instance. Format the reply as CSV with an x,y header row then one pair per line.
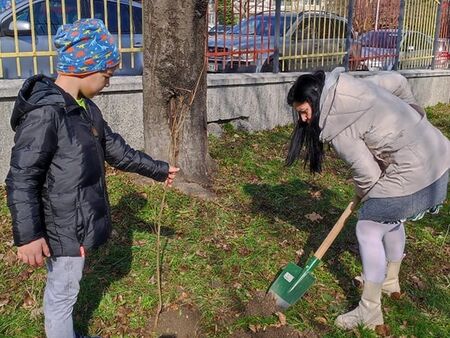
x,y
249,101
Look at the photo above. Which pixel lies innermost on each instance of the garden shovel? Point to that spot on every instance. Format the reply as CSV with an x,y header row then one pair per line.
x,y
293,281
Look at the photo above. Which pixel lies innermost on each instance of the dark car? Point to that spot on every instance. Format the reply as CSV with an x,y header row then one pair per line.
x,y
44,31
306,40
379,49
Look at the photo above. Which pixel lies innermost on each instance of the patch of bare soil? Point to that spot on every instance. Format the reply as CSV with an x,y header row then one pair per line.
x,y
275,332
264,305
261,305
182,322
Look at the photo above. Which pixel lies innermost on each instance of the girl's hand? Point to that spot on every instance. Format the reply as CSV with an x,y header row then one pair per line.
x,y
172,173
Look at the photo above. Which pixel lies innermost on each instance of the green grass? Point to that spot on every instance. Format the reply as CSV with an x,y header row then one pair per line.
x,y
219,253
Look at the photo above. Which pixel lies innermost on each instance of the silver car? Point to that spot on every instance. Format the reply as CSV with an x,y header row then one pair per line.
x,y
306,40
46,24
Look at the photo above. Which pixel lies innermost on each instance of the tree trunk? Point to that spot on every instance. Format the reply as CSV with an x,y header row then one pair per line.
x,y
174,85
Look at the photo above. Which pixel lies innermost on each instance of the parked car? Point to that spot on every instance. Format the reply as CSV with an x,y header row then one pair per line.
x,y
219,29
379,49
307,39
6,4
41,26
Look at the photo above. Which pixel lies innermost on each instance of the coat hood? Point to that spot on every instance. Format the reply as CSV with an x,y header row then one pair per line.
x,y
343,101
37,91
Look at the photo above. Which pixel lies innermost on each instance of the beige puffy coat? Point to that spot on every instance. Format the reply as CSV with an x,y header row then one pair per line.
x,y
392,148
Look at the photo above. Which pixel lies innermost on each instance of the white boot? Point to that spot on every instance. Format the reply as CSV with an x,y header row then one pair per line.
x,y
368,313
391,284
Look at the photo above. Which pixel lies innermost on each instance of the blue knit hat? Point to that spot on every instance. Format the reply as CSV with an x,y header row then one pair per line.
x,y
84,47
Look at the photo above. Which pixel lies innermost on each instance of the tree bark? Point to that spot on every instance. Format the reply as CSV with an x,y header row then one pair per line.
x,y
174,85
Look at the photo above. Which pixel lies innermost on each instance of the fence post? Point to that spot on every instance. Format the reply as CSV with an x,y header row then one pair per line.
x,y
276,57
348,39
399,33
437,31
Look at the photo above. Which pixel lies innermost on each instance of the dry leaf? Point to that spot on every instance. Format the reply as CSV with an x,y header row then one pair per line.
x,y
418,282
281,318
141,242
243,251
35,313
183,296
201,254
383,330
358,282
284,244
237,285
316,194
4,301
28,302
173,307
252,328
321,320
299,253
10,258
313,217
397,295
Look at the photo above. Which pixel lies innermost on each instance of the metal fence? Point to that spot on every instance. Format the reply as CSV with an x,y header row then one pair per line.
x,y
297,35
27,29
247,35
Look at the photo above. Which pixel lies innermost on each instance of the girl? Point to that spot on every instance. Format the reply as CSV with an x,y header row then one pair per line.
x,y
400,165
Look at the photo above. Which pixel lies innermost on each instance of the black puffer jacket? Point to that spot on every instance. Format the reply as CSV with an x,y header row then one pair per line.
x,y
56,183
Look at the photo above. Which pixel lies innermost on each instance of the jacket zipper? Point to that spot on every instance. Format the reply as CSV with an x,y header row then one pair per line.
x,y
95,137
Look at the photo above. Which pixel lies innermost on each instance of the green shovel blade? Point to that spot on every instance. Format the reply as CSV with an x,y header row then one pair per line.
x,y
293,282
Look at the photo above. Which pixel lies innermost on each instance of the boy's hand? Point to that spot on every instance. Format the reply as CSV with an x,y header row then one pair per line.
x,y
172,173
33,253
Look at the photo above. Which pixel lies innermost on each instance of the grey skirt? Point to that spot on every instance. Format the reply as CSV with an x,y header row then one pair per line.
x,y
395,209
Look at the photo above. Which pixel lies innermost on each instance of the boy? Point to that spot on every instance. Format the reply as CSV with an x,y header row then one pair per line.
x,y
56,183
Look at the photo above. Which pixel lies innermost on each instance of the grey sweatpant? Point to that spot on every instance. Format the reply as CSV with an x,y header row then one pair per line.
x,y
378,244
61,292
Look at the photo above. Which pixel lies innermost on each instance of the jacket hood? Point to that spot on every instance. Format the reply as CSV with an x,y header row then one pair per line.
x,y
344,100
37,91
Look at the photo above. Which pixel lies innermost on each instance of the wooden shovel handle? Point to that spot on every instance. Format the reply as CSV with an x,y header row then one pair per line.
x,y
337,228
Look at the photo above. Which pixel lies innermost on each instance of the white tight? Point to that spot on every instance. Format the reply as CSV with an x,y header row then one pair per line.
x,y
379,243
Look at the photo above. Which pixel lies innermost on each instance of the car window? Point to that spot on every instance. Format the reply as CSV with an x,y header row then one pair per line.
x,y
259,25
24,15
305,30
379,39
334,28
319,28
416,41
137,19
99,13
56,18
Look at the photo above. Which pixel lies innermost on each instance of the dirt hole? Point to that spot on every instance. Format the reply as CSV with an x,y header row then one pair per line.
x,y
182,322
261,305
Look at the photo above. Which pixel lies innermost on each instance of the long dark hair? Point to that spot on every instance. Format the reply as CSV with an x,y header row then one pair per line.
x,y
307,88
